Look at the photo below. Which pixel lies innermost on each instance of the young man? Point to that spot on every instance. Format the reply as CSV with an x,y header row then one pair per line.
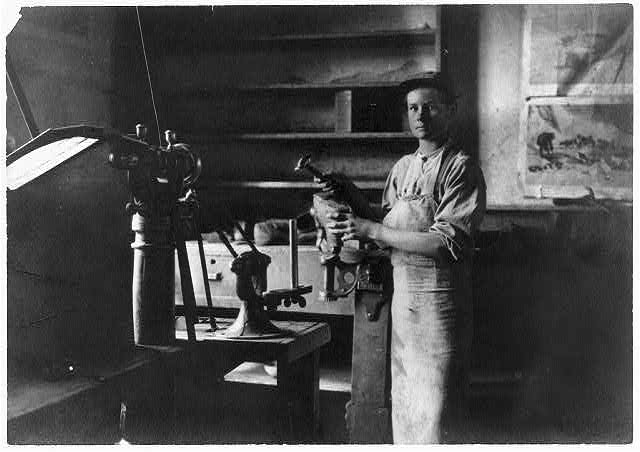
x,y
433,201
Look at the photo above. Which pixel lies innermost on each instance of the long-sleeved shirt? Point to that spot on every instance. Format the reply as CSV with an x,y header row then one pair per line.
x,y
459,193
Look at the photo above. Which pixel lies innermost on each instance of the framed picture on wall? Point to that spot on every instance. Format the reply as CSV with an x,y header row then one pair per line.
x,y
575,146
578,50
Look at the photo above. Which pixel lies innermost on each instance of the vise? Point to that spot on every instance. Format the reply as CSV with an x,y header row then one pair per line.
x,y
365,270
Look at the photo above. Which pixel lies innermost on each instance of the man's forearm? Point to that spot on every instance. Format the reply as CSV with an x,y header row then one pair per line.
x,y
426,243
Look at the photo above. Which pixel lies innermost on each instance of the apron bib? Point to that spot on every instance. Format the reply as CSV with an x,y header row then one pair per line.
x,y
430,331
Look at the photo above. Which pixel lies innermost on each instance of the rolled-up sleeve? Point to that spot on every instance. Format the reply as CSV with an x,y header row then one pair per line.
x,y
390,192
462,206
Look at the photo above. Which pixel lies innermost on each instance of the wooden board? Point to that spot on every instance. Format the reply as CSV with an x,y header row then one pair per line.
x,y
303,338
28,394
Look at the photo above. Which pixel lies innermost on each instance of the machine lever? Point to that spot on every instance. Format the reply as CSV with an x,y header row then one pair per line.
x,y
225,242
305,164
246,238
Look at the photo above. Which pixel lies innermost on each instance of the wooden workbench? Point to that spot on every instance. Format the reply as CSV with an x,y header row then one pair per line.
x,y
298,368
84,407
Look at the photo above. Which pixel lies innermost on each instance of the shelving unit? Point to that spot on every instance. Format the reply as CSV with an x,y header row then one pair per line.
x,y
261,88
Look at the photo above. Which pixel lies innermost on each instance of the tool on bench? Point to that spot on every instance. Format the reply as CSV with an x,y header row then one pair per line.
x,y
250,268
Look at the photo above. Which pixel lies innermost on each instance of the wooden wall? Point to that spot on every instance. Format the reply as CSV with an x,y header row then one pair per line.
x,y
68,256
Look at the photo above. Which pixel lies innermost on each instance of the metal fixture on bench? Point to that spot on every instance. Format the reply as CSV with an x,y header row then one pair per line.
x,y
250,268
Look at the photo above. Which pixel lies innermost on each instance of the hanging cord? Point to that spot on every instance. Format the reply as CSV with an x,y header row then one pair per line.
x,y
146,63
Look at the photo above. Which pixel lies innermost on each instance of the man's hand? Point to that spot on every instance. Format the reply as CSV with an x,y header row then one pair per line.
x,y
341,187
348,226
333,182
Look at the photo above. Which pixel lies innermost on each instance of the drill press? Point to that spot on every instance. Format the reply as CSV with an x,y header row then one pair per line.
x,y
164,208
165,213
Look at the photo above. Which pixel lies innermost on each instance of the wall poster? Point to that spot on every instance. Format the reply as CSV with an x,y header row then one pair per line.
x,y
577,145
572,50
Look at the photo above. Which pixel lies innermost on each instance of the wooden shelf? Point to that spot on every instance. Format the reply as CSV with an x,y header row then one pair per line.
x,y
219,92
546,205
331,379
338,379
325,136
362,184
213,41
423,33
224,91
202,137
315,86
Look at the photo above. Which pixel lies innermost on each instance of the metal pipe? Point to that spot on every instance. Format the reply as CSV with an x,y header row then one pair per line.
x,y
225,242
293,252
246,237
207,289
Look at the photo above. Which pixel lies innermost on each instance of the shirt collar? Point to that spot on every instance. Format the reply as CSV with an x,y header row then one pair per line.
x,y
425,157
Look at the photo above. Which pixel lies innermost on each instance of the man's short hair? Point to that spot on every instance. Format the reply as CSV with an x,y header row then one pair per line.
x,y
429,80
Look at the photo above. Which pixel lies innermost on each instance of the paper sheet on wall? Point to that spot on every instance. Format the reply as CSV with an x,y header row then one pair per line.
x,y
573,147
580,50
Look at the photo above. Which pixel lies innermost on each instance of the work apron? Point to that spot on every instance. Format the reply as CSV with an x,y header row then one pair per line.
x,y
431,321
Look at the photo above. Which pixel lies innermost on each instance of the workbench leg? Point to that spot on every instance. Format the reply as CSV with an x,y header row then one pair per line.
x,y
299,396
368,411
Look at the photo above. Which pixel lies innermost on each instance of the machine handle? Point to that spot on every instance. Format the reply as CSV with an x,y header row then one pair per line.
x,y
305,164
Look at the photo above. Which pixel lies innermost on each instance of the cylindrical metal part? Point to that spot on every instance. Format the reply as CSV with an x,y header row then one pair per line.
x,y
329,275
170,137
141,131
153,286
293,252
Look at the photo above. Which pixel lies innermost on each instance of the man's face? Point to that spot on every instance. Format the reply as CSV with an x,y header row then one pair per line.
x,y
429,115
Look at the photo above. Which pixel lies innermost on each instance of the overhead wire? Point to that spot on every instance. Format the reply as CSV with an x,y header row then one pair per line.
x,y
146,63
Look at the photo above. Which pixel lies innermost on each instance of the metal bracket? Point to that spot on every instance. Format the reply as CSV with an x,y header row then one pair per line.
x,y
367,282
372,306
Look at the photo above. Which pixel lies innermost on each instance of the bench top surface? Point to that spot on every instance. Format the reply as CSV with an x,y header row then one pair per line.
x,y
299,339
29,393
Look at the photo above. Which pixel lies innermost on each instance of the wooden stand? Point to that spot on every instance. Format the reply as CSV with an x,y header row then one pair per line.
x,y
368,411
297,355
